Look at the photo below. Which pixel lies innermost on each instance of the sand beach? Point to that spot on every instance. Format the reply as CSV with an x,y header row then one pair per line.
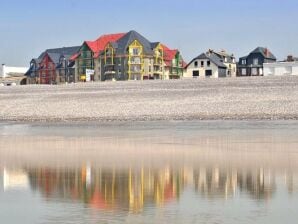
x,y
189,99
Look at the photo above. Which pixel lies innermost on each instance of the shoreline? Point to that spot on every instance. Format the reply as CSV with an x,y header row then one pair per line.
x,y
245,98
80,121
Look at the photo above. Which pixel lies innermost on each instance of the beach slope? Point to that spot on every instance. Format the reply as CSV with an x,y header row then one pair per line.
x,y
189,99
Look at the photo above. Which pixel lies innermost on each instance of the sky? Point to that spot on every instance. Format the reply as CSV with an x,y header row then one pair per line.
x,y
193,26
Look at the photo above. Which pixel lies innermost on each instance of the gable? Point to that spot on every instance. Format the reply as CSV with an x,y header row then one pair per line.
x,y
46,59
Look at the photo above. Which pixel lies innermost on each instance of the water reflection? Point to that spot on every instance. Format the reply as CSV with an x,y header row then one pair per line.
x,y
215,183
191,175
130,190
135,189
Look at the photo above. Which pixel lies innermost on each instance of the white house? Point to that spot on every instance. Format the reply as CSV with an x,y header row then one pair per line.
x,y
281,68
12,75
7,71
206,66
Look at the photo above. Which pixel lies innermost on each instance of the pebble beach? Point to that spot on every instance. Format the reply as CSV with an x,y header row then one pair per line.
x,y
268,98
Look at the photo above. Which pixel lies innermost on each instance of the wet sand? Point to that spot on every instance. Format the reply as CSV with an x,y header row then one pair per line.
x,y
237,144
267,98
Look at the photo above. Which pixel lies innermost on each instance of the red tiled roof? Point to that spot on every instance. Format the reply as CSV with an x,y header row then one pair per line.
x,y
169,55
99,44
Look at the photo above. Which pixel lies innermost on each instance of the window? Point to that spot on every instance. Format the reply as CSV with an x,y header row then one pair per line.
x,y
136,60
244,61
202,63
195,73
208,63
174,62
135,51
254,71
243,71
255,61
196,64
208,73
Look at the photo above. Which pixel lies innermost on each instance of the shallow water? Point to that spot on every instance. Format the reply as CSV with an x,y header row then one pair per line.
x,y
155,172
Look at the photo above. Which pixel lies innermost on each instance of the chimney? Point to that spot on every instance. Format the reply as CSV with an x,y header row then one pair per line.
x,y
290,58
266,51
210,51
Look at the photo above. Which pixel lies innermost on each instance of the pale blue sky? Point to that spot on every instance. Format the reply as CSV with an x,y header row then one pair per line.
x,y
30,26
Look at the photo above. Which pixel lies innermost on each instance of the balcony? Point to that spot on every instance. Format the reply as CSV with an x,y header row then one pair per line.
x,y
109,72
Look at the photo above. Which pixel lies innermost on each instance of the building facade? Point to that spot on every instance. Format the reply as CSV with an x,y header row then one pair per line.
x,y
252,65
286,67
210,65
133,57
228,60
53,66
86,66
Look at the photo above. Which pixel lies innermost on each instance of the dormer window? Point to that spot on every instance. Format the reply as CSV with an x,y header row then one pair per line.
x,y
244,61
255,61
135,51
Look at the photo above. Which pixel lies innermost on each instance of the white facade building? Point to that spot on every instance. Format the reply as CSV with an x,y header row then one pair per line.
x,y
206,66
7,71
281,68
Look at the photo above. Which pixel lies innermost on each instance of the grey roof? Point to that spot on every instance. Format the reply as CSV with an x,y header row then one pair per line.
x,y
114,45
54,57
224,55
245,57
128,38
36,60
63,51
212,57
154,45
263,50
56,53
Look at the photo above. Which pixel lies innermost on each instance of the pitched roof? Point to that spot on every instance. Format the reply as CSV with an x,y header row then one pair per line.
x,y
265,52
224,55
217,60
63,51
169,55
121,41
154,44
54,57
212,57
100,43
56,53
74,57
128,38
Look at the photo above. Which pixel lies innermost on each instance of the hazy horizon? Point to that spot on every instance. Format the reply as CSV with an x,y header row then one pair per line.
x,y
30,27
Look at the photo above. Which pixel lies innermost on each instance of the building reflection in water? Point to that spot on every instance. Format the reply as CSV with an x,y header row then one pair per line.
x,y
132,190
110,189
224,183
